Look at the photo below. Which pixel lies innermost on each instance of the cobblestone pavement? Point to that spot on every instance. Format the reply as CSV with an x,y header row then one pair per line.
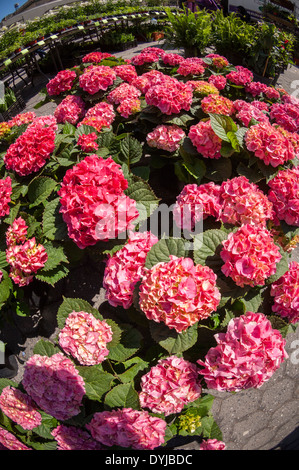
x,y
256,419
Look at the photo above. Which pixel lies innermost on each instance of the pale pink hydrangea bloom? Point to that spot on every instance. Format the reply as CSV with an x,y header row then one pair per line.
x,y
207,143
122,92
10,442
87,142
178,293
85,338
269,144
246,356
129,106
250,255
93,203
170,99
243,202
284,195
169,386
5,195
212,444
125,267
196,202
286,294
71,109
73,438
165,137
20,408
54,384
128,428
97,78
62,82
126,72
217,104
219,81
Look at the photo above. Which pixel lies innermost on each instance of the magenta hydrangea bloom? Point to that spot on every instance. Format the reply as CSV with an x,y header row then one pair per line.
x,y
85,338
284,195
125,267
54,384
178,293
88,142
241,76
250,255
62,82
17,232
286,115
171,97
286,294
165,137
5,195
10,442
20,408
128,428
73,438
207,143
71,109
212,444
169,386
246,356
97,78
122,92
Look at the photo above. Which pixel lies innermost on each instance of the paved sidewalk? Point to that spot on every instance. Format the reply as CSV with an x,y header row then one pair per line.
x,y
256,419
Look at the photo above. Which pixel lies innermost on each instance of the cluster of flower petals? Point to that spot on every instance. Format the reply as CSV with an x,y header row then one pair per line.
x,y
178,293
246,355
129,106
191,66
250,255
284,195
126,267
102,110
5,195
54,384
286,114
171,97
87,142
20,408
8,441
62,82
95,57
122,92
219,81
212,444
241,76
203,137
126,72
71,109
74,438
249,111
172,59
165,137
286,294
217,104
169,386
17,232
203,88
97,78
85,338
128,428
218,61
22,118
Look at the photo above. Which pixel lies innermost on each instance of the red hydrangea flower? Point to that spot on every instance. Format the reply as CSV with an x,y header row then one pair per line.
x,y
170,99
169,386
85,338
207,143
5,196
71,109
272,94
96,78
246,356
73,438
122,92
125,267
10,442
87,142
269,144
286,294
172,59
128,428
178,293
196,202
284,195
54,384
93,203
17,232
203,88
145,57
95,57
62,82
165,137
97,122
241,76
243,202
250,255
217,104
129,106
219,81
126,72
20,408
148,79
29,153
22,118
249,111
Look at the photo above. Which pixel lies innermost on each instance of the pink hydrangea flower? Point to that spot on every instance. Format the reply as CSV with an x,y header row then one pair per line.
x,y
93,203
217,104
102,110
165,137
170,99
286,115
22,118
97,78
219,81
196,202
126,72
87,142
125,267
269,144
95,57
169,386
5,196
29,153
241,76
255,88
129,106
207,143
85,338
249,111
218,61
128,428
286,294
284,195
20,408
94,121
54,384
145,57
62,82
212,444
10,442
250,255
246,356
73,438
17,232
122,92
191,66
272,94
243,202
178,293
149,79
203,88
71,109
172,59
